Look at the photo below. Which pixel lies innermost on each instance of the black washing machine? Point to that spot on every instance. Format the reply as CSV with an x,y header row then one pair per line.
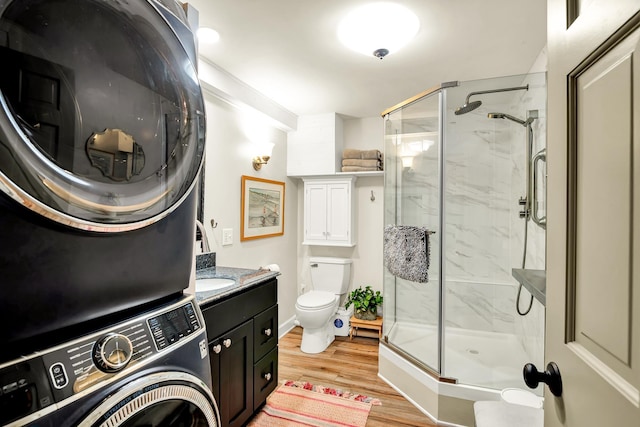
x,y
150,370
101,142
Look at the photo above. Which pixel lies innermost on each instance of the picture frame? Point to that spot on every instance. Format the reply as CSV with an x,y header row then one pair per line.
x,y
262,208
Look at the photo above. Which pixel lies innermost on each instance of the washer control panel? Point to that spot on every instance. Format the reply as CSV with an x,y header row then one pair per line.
x,y
30,384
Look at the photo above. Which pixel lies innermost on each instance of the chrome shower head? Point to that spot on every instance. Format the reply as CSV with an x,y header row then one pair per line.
x,y
468,106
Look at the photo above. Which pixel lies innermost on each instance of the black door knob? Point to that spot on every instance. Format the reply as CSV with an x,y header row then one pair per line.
x,y
551,377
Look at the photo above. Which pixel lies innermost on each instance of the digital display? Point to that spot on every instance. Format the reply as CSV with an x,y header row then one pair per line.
x,y
174,322
170,327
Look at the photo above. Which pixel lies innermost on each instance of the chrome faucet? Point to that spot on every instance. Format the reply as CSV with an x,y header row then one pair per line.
x,y
205,241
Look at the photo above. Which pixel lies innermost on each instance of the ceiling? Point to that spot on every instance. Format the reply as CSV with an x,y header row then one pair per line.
x,y
289,51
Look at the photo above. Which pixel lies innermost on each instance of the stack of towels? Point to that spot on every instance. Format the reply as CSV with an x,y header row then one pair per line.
x,y
361,160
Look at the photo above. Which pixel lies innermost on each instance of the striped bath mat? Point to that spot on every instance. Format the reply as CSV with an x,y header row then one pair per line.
x,y
300,403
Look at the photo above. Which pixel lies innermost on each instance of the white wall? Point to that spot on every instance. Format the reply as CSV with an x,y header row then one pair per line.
x,y
230,127
230,135
367,267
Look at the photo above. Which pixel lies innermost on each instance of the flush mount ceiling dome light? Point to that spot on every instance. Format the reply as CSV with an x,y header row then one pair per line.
x,y
208,35
378,29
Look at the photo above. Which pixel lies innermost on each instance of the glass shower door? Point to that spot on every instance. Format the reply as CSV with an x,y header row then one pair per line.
x,y
412,310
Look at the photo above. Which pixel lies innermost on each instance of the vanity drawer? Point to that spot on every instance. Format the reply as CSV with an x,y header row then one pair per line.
x,y
223,315
265,378
265,332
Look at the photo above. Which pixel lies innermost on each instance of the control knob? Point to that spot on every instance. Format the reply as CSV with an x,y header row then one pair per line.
x,y
112,352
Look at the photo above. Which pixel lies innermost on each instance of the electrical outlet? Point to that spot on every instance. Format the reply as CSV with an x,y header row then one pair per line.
x,y
227,236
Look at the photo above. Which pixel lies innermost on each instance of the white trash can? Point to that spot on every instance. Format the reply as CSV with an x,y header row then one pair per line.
x,y
341,322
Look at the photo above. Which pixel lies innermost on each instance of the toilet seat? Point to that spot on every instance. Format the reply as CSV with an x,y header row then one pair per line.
x,y
316,300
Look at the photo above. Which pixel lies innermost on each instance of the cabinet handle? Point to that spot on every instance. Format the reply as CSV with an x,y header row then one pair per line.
x,y
217,348
267,332
267,376
227,342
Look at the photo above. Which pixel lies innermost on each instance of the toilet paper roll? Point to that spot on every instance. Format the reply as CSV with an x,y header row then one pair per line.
x,y
272,267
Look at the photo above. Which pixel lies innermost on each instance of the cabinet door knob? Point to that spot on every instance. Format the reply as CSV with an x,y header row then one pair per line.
x,y
267,332
227,342
217,348
267,376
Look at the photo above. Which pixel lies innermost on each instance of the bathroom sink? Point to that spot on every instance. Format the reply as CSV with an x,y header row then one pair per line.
x,y
206,285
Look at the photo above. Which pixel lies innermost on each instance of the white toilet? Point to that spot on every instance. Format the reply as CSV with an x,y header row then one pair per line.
x,y
315,309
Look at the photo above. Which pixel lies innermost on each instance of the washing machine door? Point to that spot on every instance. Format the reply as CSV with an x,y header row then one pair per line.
x,y
101,111
163,399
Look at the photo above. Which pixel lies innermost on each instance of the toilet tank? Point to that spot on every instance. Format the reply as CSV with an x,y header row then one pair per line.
x,y
330,274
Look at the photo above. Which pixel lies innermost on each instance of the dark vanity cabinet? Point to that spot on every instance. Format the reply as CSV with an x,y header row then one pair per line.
x,y
242,331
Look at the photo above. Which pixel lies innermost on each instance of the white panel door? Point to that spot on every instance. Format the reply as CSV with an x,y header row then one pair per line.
x,y
315,212
593,217
339,212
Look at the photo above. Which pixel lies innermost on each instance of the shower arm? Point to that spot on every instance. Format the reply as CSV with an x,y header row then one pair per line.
x,y
506,89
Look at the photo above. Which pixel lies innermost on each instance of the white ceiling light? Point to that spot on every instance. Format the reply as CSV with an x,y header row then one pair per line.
x,y
378,28
208,35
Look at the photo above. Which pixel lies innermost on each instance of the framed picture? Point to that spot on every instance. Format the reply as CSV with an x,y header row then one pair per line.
x,y
262,208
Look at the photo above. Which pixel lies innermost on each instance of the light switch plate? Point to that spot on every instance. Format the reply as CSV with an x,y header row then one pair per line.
x,y
227,236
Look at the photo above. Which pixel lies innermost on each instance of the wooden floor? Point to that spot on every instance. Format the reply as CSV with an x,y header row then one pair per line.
x,y
352,366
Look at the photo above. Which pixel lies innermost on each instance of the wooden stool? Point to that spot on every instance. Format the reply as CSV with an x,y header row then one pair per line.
x,y
365,324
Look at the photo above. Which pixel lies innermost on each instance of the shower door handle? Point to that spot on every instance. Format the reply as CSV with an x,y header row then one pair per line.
x,y
551,377
540,156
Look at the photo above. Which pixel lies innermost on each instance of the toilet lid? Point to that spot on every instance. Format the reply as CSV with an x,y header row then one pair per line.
x,y
521,397
316,299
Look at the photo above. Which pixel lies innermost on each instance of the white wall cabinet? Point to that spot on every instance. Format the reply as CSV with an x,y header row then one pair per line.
x,y
315,148
329,217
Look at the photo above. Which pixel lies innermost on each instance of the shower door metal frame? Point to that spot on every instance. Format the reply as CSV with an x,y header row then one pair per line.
x,y
441,91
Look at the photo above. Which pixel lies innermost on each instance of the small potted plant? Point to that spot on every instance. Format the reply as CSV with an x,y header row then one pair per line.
x,y
365,303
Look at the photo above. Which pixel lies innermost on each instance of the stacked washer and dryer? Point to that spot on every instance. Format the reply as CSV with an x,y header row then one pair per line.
x,y
101,143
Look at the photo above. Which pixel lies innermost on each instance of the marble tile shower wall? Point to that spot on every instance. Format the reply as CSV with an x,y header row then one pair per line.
x,y
484,178
530,328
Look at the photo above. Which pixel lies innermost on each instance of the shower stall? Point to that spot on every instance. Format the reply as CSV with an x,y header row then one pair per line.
x,y
466,162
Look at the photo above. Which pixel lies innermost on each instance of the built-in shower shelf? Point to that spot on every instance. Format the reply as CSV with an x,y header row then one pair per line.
x,y
534,281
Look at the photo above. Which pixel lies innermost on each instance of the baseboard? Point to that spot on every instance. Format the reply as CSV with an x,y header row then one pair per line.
x,y
287,326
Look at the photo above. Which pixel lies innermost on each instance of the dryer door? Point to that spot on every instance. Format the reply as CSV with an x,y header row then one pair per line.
x,y
162,399
101,112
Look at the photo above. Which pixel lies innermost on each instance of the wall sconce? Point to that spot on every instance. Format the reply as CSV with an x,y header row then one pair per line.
x,y
407,162
411,149
265,150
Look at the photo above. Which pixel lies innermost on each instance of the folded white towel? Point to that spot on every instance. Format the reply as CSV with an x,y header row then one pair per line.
x,y
360,169
367,163
350,153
